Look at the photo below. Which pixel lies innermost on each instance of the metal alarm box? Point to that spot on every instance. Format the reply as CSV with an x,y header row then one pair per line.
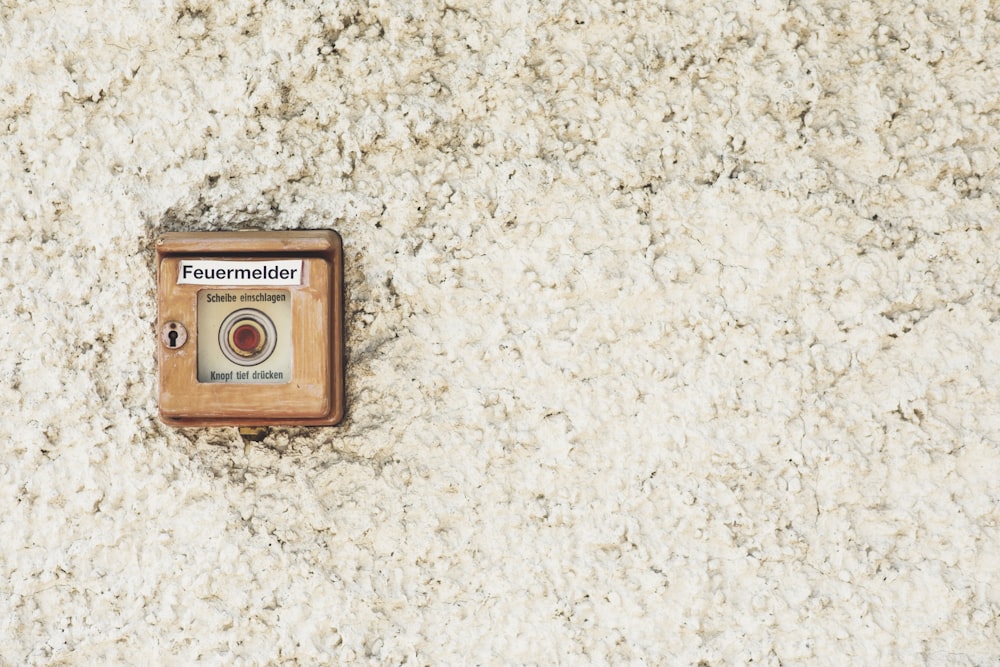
x,y
250,328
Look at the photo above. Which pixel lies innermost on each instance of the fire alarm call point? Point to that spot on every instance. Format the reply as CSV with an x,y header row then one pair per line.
x,y
250,329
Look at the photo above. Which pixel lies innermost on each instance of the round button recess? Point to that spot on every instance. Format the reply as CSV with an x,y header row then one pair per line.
x,y
247,337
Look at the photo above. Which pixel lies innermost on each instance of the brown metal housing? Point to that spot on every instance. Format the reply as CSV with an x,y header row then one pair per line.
x,y
314,396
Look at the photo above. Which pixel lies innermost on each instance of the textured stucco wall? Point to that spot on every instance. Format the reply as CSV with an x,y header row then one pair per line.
x,y
673,333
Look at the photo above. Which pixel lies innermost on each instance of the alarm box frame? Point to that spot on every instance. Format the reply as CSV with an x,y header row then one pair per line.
x,y
250,328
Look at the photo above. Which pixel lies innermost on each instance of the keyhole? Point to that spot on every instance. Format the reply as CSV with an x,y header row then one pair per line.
x,y
173,335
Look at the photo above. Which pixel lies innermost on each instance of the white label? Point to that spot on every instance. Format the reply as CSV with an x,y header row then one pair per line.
x,y
218,272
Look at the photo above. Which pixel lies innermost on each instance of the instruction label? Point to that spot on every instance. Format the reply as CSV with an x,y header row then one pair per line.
x,y
225,317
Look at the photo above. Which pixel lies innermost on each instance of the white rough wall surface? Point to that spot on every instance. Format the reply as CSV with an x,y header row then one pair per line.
x,y
673,333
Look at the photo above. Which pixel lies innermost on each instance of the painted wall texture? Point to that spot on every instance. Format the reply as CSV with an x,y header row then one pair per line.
x,y
672,333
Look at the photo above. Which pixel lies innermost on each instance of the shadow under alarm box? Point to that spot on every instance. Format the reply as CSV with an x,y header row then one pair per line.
x,y
250,328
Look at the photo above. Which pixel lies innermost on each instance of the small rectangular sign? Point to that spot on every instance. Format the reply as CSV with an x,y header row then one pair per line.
x,y
233,273
222,314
